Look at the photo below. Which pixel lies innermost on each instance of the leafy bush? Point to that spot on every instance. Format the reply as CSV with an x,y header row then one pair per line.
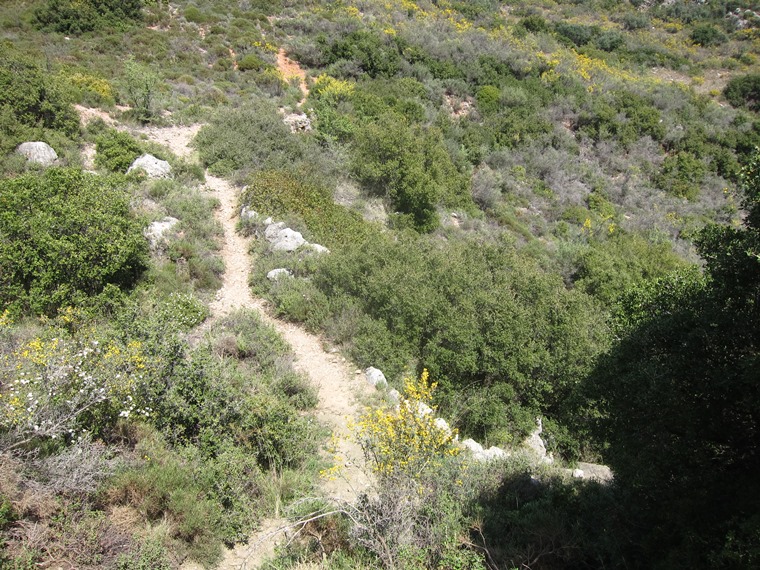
x,y
141,84
681,175
535,24
31,99
251,62
578,34
707,35
255,138
608,268
66,236
420,301
411,168
278,194
744,91
79,16
116,151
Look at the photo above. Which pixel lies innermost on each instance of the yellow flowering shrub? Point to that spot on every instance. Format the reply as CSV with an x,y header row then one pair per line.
x,y
331,89
406,440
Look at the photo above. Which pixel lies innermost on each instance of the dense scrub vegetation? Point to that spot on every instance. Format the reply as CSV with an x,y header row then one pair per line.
x,y
541,204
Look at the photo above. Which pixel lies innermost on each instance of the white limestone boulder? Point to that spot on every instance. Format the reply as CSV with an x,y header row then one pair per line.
x,y
152,166
38,152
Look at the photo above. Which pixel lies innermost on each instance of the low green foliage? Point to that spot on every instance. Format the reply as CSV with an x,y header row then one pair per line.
x,y
79,16
32,101
418,301
255,138
66,237
116,151
141,84
744,90
707,35
681,175
607,268
411,168
278,193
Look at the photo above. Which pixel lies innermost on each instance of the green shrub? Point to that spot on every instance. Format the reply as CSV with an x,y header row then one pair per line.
x,y
578,34
681,175
411,168
79,16
116,151
31,99
66,235
255,138
610,267
142,86
251,62
707,35
421,301
149,555
279,194
194,15
744,91
488,98
635,20
609,40
535,24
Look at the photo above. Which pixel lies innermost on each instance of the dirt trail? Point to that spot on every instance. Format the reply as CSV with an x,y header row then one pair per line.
x,y
339,386
289,69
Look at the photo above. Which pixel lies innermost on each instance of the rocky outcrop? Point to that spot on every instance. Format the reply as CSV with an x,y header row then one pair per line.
x,y
535,444
279,273
279,236
156,231
152,166
282,238
38,152
375,377
298,122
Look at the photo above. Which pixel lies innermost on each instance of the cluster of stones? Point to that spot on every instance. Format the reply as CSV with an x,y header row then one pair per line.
x,y
533,444
298,122
280,238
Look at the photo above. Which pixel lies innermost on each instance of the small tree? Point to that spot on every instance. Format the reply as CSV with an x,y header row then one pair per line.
x,y
141,83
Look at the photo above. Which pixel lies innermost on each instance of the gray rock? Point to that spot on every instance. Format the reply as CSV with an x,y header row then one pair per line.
x,y
394,396
288,240
298,122
578,473
38,152
423,409
282,238
277,274
317,248
443,425
375,377
493,453
273,229
596,472
534,441
248,215
473,446
153,167
155,231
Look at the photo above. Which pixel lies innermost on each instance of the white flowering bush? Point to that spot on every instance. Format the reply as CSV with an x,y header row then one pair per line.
x,y
183,309
56,387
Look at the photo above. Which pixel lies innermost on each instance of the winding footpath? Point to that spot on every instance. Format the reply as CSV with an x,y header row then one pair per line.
x,y
340,387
